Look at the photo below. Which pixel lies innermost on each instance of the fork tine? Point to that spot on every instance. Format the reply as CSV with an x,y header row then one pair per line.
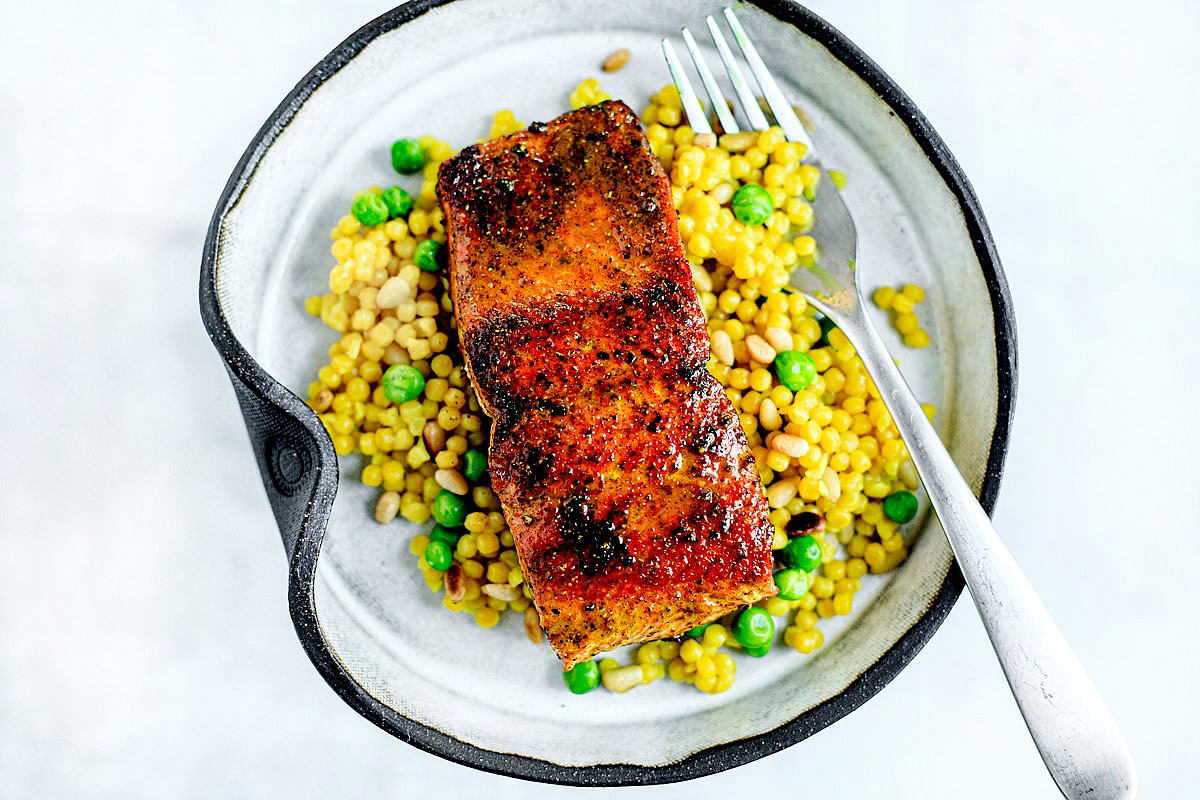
x,y
728,123
780,107
691,103
758,120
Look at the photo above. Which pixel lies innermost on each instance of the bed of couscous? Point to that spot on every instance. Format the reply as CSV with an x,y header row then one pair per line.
x,y
837,476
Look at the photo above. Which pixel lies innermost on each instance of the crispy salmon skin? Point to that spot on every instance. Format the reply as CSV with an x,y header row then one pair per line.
x,y
626,479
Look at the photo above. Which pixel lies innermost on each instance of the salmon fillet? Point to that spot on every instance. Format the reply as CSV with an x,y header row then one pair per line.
x,y
624,474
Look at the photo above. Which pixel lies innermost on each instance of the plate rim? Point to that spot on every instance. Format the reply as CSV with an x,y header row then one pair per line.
x,y
253,383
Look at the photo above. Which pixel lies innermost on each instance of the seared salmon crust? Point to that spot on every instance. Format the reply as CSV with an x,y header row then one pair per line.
x,y
624,474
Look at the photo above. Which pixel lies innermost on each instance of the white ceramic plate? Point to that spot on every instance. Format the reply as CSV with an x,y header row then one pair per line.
x,y
362,611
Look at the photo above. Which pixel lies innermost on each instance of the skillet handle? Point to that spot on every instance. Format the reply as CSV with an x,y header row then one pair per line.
x,y
290,458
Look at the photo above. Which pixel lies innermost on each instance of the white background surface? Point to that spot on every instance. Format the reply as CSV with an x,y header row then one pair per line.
x,y
145,646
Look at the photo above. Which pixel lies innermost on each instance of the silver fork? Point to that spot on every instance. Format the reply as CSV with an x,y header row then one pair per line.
x,y
1074,732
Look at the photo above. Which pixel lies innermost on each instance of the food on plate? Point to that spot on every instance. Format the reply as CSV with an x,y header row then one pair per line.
x,y
617,60
621,466
825,448
902,303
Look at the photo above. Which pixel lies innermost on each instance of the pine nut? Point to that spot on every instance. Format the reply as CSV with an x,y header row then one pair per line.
x,y
908,474
533,625
616,60
435,437
393,292
806,522
452,481
791,446
722,347
456,587
322,401
501,591
739,142
387,507
706,140
780,493
833,487
768,415
779,339
759,350
701,278
622,679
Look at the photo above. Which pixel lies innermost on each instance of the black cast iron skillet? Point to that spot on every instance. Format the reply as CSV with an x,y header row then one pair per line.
x,y
300,470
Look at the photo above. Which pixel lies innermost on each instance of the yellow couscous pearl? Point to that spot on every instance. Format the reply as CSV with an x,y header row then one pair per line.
x,y
843,603
487,617
648,653
776,606
372,475
917,338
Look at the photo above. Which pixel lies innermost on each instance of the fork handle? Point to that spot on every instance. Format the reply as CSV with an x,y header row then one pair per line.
x,y
1074,732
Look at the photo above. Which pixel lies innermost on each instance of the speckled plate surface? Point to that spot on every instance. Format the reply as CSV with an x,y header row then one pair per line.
x,y
491,699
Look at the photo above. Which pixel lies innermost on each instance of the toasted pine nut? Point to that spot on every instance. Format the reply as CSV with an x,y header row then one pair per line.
x,y
780,493
322,401
768,415
779,339
387,507
533,625
722,347
622,679
616,60
791,446
723,193
393,292
452,481
501,591
908,474
435,437
806,522
759,350
738,142
706,140
701,278
456,587
833,487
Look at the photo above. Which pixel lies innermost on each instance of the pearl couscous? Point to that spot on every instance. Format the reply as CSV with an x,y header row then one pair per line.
x,y
837,476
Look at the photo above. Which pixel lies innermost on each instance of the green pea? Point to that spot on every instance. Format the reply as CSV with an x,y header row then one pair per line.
x,y
398,202
583,677
427,255
441,533
402,383
754,627
407,157
802,553
752,204
792,583
900,507
794,369
759,651
697,632
438,555
369,209
449,509
474,464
